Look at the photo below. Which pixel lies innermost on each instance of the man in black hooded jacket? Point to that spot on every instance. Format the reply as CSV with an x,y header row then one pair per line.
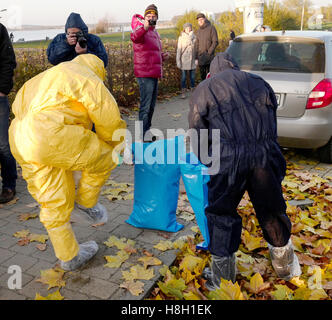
x,y
8,163
243,107
65,46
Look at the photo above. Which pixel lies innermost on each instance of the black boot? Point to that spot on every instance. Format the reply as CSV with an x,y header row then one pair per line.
x,y
221,267
7,195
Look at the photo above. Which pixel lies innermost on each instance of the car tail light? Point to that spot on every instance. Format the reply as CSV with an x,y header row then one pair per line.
x,y
321,95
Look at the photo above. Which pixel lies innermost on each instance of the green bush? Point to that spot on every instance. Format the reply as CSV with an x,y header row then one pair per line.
x,y
120,79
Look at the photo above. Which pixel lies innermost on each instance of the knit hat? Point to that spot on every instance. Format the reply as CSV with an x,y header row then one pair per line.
x,y
186,25
200,15
151,9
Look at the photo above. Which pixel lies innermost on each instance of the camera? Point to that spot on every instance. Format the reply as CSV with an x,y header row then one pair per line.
x,y
81,39
152,22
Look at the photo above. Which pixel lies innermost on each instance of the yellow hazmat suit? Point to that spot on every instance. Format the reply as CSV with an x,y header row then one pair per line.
x,y
51,137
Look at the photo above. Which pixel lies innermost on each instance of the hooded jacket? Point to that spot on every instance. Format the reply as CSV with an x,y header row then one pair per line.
x,y
185,54
148,56
207,41
7,61
60,51
243,107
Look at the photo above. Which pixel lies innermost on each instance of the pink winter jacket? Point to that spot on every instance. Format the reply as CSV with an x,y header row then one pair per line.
x,y
148,56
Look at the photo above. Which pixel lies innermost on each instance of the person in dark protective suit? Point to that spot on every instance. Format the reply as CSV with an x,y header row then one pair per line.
x,y
243,107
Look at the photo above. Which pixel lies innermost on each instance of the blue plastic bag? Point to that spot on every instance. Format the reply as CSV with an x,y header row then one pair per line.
x,y
157,184
195,182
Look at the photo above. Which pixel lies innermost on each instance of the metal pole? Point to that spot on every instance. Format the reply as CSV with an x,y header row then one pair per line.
x,y
302,15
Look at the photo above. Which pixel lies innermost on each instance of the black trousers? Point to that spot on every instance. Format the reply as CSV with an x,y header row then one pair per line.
x,y
204,70
224,223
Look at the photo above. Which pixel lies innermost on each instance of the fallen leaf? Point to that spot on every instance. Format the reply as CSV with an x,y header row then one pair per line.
x,y
173,288
38,238
52,277
52,296
122,243
150,261
98,225
27,216
12,202
138,273
282,293
227,291
41,247
257,284
134,287
164,245
117,260
21,234
23,242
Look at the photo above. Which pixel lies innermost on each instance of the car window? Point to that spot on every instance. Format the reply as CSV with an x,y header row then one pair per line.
x,y
299,57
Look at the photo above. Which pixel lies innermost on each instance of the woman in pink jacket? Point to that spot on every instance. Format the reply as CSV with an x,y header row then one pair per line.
x,y
148,58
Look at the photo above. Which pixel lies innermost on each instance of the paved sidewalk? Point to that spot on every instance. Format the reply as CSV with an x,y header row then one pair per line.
x,y
93,281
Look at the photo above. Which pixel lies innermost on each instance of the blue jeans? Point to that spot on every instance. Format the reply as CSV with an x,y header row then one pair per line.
x,y
184,78
148,89
7,161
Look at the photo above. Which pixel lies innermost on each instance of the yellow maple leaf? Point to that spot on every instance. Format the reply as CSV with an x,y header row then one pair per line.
x,y
252,242
27,216
138,273
52,277
121,244
150,261
227,291
33,237
302,294
190,262
173,288
257,284
164,245
116,261
282,293
318,294
52,296
298,282
315,281
191,296
134,287
21,234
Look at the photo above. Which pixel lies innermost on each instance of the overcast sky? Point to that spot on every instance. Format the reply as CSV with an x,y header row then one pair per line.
x,y
46,12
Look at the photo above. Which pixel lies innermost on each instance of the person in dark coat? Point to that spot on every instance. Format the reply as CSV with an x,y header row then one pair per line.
x,y
7,161
243,107
65,46
206,43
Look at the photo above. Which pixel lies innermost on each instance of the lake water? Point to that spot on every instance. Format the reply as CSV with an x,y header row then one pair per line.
x,y
33,35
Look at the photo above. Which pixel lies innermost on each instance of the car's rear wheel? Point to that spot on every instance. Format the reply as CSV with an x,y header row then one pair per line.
x,y
325,153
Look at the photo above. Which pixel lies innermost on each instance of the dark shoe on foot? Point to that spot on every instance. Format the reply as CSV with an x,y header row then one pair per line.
x,y
7,195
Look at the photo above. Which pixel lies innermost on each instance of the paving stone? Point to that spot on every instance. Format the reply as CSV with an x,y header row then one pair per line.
x,y
6,294
29,290
5,255
73,295
125,230
21,260
99,288
36,268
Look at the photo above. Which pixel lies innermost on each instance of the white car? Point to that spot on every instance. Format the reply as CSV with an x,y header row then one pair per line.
x,y
298,66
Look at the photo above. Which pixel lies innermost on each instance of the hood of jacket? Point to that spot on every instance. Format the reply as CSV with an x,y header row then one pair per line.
x,y
222,62
92,62
75,21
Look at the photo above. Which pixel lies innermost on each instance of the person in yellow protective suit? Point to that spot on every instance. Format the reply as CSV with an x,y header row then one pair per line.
x,y
51,138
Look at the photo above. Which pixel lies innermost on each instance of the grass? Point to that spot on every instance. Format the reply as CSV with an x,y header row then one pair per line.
x,y
169,33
